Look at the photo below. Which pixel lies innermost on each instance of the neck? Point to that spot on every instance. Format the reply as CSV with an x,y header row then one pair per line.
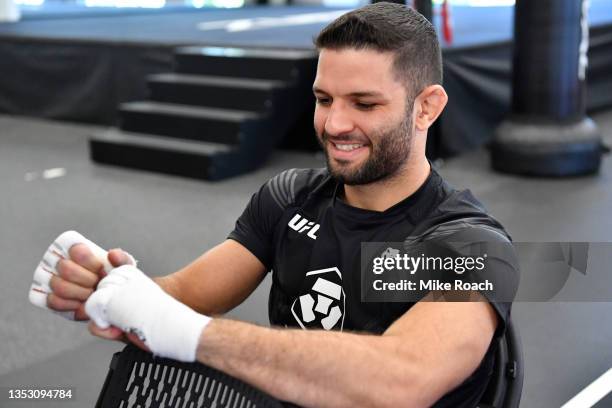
x,y
384,194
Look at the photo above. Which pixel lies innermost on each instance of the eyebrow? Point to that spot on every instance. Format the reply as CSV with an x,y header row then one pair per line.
x,y
360,94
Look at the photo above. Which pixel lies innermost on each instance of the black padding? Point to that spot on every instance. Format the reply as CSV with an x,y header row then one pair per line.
x,y
506,385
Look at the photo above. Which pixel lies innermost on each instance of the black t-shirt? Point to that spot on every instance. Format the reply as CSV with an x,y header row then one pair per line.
x,y
299,228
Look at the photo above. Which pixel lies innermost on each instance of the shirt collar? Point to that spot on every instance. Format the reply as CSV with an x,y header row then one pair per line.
x,y
414,206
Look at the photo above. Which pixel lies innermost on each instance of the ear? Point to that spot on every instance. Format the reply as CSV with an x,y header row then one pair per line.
x,y
428,105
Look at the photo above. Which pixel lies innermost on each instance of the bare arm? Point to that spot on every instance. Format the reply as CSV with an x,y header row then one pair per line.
x,y
217,281
214,283
426,353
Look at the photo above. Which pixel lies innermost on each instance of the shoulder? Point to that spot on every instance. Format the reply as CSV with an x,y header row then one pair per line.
x,y
459,212
293,186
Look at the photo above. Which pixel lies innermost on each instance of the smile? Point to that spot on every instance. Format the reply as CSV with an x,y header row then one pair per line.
x,y
347,151
347,147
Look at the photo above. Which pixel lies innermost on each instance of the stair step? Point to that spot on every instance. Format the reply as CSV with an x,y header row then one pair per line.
x,y
189,122
254,95
162,142
218,81
201,160
246,63
229,115
262,53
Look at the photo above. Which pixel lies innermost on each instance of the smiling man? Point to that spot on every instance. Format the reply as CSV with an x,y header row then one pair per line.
x,y
378,90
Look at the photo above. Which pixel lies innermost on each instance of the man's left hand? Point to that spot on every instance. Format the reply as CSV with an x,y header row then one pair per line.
x,y
133,303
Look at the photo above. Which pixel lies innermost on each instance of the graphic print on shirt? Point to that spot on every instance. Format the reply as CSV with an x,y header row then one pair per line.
x,y
323,305
301,224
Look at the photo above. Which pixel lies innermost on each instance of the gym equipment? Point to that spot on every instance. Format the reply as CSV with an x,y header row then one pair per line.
x,y
548,132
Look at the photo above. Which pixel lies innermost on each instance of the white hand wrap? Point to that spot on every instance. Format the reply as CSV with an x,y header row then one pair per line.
x,y
39,290
131,301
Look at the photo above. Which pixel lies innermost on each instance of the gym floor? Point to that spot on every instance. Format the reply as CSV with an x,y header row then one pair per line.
x,y
49,185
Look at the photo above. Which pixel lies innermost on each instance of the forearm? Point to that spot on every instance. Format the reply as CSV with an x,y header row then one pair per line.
x,y
423,355
209,304
313,368
210,284
203,299
169,285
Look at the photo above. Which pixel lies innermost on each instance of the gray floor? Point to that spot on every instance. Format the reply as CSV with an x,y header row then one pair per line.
x,y
166,222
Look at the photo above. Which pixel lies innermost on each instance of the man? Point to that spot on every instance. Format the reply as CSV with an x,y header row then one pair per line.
x,y
378,91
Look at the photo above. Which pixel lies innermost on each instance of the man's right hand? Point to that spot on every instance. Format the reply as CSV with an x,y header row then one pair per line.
x,y
78,277
199,285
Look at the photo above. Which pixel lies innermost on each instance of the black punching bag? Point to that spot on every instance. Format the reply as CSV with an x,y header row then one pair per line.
x,y
389,1
425,8
548,133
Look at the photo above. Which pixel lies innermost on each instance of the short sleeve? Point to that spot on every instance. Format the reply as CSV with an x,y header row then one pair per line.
x,y
254,229
501,267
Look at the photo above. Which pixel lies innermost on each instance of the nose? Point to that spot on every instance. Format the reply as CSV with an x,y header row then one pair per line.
x,y
338,120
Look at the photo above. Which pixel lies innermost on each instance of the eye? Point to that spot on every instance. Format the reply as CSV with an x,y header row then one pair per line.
x,y
365,106
323,101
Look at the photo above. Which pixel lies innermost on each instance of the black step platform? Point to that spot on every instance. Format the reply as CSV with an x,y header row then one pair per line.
x,y
237,103
200,160
255,95
245,62
188,122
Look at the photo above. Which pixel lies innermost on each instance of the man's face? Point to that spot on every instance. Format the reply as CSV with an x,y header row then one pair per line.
x,y
361,118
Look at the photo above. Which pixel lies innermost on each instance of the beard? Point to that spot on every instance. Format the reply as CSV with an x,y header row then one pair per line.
x,y
390,150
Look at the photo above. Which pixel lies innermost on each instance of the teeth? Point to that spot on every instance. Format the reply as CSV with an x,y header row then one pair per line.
x,y
347,147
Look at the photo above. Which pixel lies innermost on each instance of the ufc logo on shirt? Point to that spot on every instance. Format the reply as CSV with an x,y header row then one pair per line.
x,y
301,224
